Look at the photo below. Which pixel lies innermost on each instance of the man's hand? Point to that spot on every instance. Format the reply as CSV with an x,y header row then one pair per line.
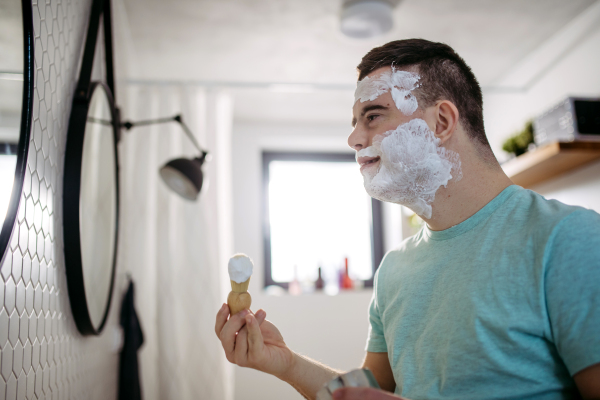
x,y
251,341
352,393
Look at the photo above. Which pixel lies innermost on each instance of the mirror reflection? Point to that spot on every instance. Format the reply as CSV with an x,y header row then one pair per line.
x,y
11,95
98,204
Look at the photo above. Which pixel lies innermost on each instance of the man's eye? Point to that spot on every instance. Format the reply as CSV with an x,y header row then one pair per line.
x,y
372,117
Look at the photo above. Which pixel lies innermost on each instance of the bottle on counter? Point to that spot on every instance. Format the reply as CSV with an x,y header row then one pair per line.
x,y
319,283
294,287
347,282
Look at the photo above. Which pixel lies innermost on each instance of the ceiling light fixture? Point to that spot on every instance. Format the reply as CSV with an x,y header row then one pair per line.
x,y
365,19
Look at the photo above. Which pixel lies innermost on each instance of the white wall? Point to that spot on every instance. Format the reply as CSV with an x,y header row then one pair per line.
x,y
575,73
331,329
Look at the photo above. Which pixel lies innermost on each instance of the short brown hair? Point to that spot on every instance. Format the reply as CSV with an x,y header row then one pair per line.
x,y
444,75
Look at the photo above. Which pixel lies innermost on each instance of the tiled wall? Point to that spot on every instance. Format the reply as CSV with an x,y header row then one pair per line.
x,y
42,354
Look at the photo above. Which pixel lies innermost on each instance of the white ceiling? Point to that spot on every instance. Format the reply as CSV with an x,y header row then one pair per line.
x,y
299,42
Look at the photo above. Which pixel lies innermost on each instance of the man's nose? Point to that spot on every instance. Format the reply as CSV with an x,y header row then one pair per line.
x,y
358,139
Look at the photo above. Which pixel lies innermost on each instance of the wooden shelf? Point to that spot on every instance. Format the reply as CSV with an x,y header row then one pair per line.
x,y
550,161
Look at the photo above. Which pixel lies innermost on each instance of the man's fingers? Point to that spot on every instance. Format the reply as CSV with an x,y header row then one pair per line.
x,y
360,393
227,335
241,347
351,394
255,339
221,319
236,346
241,340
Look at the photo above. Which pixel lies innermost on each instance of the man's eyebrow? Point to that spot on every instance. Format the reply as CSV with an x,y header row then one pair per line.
x,y
367,109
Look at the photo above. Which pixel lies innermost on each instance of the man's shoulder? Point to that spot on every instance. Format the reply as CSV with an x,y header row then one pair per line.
x,y
408,243
400,252
557,227
536,211
579,227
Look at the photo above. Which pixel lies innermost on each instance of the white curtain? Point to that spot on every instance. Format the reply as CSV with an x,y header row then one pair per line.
x,y
176,250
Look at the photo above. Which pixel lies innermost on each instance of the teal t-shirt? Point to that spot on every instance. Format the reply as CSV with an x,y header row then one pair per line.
x,y
505,305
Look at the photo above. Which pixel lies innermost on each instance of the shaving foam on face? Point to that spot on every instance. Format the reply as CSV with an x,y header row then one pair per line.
x,y
412,167
368,152
399,83
240,268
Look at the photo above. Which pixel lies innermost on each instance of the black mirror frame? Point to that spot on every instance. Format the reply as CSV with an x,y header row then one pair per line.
x,y
71,207
72,170
25,134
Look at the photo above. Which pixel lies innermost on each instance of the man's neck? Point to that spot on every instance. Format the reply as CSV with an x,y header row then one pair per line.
x,y
462,199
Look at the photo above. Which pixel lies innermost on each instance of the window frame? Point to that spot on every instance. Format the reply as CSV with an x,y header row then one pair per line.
x,y
377,250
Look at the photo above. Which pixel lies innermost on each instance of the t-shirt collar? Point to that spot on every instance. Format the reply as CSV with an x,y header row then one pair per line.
x,y
474,219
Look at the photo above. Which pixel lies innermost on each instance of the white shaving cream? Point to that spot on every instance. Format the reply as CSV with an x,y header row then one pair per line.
x,y
412,167
400,83
240,268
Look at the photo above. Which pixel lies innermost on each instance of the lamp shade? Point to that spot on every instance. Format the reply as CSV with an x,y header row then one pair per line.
x,y
184,176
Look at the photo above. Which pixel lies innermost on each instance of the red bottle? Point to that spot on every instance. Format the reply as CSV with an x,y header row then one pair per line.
x,y
347,282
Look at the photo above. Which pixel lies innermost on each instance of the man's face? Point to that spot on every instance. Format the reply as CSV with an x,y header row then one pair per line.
x,y
400,158
373,118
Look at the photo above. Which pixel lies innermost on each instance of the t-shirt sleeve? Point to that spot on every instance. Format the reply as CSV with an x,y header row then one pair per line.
x,y
376,340
573,289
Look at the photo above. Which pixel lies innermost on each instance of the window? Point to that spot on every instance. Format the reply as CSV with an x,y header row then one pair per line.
x,y
317,213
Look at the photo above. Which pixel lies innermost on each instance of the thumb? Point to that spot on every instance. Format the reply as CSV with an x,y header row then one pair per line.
x,y
255,339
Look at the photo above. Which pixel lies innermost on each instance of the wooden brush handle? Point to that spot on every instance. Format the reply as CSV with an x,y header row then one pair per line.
x,y
238,302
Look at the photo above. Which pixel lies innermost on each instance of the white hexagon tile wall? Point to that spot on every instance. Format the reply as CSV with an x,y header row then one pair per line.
x,y
42,354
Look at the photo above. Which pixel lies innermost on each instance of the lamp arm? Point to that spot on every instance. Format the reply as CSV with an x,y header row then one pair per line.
x,y
189,134
177,118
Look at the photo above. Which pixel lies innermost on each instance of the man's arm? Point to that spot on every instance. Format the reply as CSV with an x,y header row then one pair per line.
x,y
572,297
308,376
379,364
588,382
251,341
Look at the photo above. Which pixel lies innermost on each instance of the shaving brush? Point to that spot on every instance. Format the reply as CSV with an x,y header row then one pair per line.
x,y
240,270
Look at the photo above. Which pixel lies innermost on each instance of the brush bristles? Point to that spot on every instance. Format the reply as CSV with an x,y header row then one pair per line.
x,y
239,287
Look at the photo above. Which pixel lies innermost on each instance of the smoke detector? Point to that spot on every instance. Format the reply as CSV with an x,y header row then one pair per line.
x,y
365,19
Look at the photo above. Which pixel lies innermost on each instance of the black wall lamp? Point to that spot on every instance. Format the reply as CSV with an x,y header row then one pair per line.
x,y
182,175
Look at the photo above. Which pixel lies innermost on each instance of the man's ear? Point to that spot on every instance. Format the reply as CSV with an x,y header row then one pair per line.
x,y
446,116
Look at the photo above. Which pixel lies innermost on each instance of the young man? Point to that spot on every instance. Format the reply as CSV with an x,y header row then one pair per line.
x,y
496,297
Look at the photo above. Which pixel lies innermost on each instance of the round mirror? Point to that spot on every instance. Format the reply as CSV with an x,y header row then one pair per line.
x,y
91,208
16,99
